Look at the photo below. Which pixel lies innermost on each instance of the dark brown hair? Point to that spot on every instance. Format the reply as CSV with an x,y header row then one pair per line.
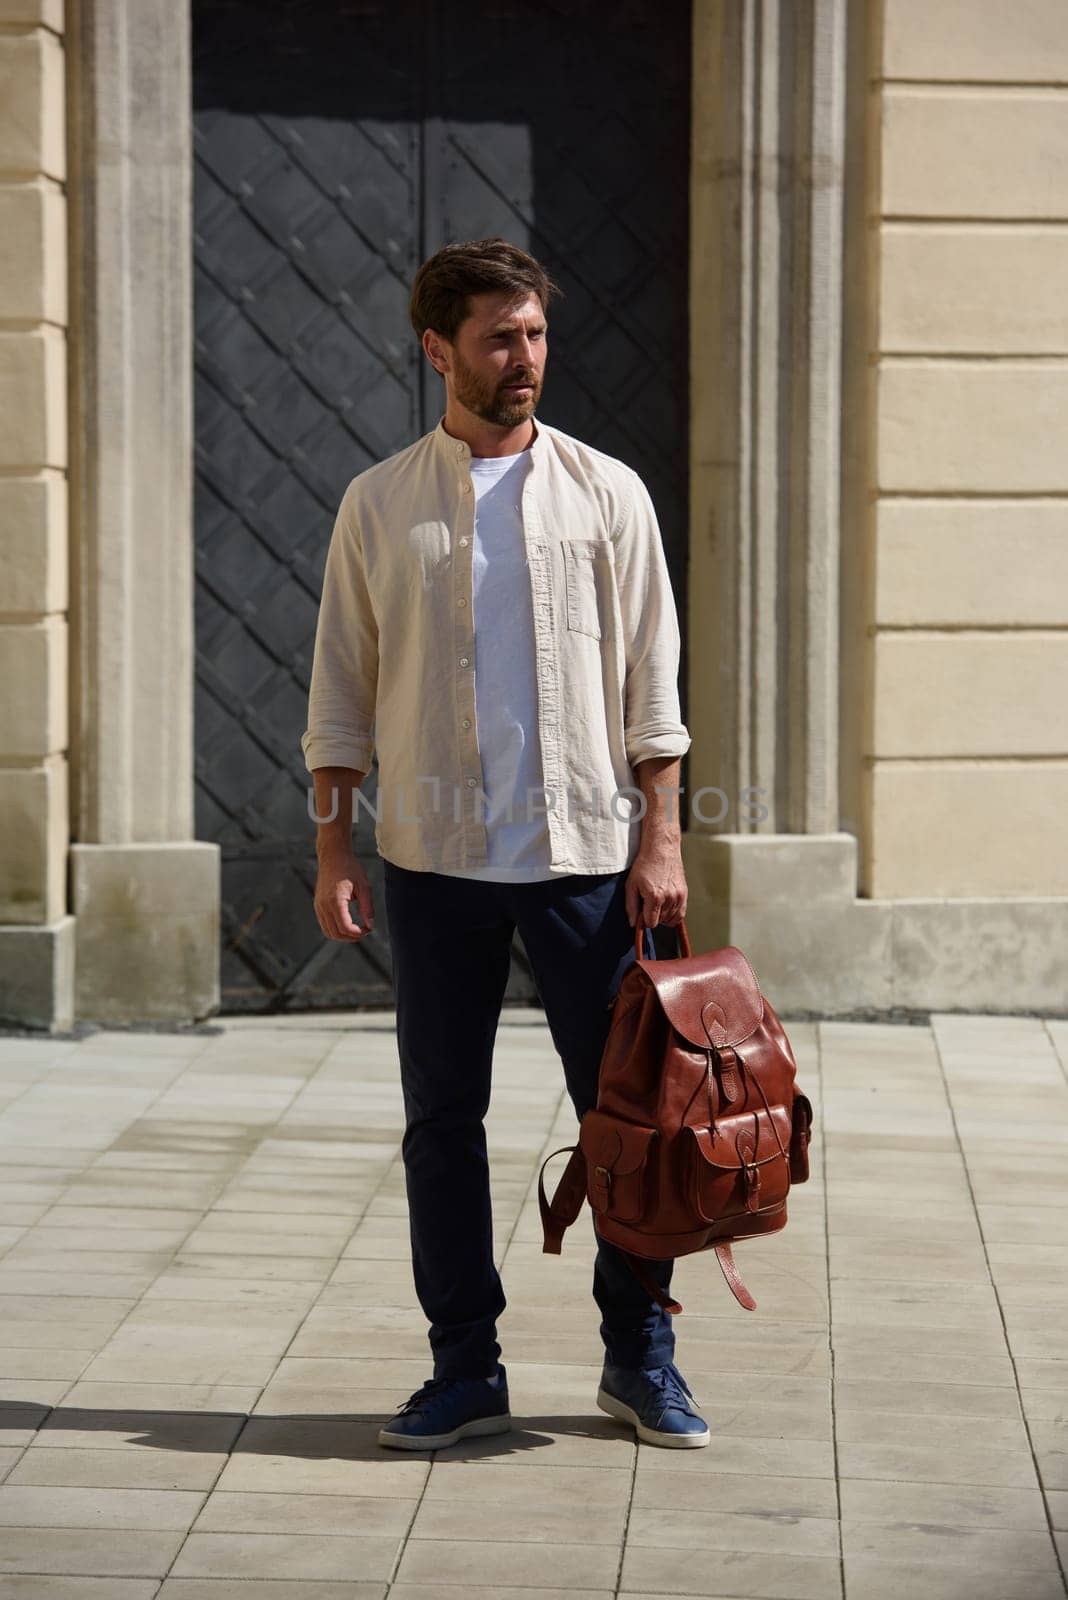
x,y
445,282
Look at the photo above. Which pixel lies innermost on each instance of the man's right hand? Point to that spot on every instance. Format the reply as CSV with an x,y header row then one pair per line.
x,y
341,879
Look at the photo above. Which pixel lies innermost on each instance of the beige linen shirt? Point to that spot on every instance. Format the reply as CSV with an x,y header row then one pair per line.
x,y
394,662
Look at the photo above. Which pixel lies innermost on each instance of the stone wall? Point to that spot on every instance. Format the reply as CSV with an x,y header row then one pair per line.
x,y
35,932
964,744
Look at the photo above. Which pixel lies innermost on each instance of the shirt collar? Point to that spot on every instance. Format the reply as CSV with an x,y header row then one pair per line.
x,y
460,450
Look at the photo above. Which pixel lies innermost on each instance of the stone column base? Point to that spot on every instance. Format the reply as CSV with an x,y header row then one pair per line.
x,y
789,902
37,975
147,931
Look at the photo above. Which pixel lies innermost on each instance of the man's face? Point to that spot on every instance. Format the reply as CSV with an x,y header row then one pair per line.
x,y
497,362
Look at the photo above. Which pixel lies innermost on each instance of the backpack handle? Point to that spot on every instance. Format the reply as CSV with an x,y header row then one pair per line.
x,y
682,937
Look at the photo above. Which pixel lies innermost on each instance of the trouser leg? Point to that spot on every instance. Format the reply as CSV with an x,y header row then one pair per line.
x,y
580,943
451,944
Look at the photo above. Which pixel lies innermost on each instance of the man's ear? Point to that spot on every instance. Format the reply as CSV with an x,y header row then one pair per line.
x,y
433,346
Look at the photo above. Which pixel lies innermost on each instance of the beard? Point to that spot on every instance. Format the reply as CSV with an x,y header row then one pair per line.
x,y
488,401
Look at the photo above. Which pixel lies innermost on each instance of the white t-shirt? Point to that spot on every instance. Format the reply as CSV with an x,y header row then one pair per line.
x,y
506,696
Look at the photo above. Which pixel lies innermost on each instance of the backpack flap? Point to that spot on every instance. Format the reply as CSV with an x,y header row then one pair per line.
x,y
683,988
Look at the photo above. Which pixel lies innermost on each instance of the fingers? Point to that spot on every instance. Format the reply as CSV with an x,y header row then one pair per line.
x,y
343,921
631,900
334,916
365,901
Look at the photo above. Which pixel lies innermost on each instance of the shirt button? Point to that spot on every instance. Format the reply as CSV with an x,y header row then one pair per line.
x,y
461,601
463,541
470,783
464,661
467,488
467,722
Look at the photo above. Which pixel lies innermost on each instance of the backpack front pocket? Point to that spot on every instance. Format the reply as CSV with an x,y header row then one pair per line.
x,y
617,1163
737,1165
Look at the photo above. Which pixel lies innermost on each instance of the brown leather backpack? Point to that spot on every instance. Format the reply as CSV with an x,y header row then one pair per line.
x,y
699,1127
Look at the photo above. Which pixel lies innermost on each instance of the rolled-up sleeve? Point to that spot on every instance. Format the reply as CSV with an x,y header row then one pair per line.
x,y
652,723
344,680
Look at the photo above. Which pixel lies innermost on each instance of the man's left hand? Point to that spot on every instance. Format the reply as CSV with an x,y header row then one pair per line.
x,y
656,883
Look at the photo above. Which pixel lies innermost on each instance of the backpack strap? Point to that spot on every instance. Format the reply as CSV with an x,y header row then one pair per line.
x,y
730,1272
566,1203
649,1284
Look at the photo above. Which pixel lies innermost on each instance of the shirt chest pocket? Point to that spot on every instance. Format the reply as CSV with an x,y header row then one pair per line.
x,y
587,577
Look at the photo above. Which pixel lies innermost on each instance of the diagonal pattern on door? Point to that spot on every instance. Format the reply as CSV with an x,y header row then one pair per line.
x,y
336,145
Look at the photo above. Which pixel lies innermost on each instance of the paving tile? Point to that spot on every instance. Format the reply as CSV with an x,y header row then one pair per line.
x,y
927,1398
328,1514
23,1361
34,1586
118,1468
285,1555
1012,1549
760,1495
537,1517
483,1564
161,1395
805,1458
957,1504
102,1552
934,1432
448,1591
36,1506
230,1270
659,1570
968,1461
61,1284
75,1427
485,1482
716,1530
269,1589
867,1578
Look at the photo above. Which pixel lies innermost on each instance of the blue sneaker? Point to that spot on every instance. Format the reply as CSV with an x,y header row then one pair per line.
x,y
447,1409
658,1401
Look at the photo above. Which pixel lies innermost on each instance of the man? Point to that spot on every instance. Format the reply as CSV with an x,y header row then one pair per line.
x,y
498,624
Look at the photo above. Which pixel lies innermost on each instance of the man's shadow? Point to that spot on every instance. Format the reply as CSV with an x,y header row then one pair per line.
x,y
309,1436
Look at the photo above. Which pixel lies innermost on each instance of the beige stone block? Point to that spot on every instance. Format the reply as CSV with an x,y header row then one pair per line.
x,y
37,976
970,694
977,954
984,289
975,152
33,544
980,427
148,931
33,253
33,399
32,104
49,13
1008,41
33,842
950,829
943,563
33,668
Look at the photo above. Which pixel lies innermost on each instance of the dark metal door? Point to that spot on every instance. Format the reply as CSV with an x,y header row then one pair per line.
x,y
336,146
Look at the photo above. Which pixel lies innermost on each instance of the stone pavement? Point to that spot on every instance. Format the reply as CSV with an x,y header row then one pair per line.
x,y
207,1308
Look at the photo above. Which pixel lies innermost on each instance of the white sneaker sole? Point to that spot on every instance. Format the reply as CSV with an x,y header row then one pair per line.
x,y
671,1441
438,1441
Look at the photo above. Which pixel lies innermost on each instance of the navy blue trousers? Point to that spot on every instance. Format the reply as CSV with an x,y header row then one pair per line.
x,y
451,942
